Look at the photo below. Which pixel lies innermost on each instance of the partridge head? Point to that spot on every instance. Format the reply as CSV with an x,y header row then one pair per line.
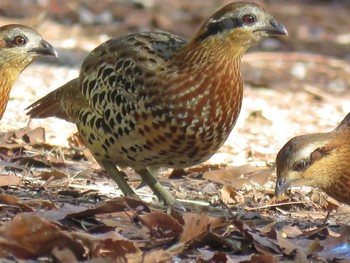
x,y
19,46
320,160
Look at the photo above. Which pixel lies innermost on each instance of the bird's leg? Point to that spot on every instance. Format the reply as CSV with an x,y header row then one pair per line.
x,y
119,178
161,193
148,179
154,172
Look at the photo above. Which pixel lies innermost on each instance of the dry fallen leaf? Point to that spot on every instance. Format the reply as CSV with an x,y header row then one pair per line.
x,y
263,259
54,174
239,176
114,205
35,136
291,231
22,137
161,225
197,225
110,244
156,255
11,179
229,195
26,205
29,236
288,247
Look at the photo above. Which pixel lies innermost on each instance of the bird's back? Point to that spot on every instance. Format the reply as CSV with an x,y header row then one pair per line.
x,y
124,70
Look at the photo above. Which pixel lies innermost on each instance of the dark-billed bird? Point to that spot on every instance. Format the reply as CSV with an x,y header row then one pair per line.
x,y
319,160
152,99
19,46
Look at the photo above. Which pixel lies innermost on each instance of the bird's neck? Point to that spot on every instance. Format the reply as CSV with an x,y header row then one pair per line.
x,y
336,182
207,87
11,66
8,75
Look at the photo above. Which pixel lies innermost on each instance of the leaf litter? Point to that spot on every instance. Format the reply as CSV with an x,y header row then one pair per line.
x,y
57,205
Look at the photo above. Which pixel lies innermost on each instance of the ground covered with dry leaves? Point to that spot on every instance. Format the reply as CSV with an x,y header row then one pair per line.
x,y
57,205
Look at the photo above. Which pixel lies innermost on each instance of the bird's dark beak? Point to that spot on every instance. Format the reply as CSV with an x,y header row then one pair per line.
x,y
275,28
282,185
45,49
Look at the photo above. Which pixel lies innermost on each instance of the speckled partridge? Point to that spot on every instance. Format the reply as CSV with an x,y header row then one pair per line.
x,y
19,46
152,99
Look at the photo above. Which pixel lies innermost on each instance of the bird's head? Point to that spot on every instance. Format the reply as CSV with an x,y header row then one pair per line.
x,y
311,159
239,25
20,45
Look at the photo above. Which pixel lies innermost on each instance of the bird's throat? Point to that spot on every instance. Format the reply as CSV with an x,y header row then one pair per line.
x,y
7,78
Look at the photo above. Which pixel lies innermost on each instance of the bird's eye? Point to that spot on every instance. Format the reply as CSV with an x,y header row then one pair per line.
x,y
19,41
299,165
248,19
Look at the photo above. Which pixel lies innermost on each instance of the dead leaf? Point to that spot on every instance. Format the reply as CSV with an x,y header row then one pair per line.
x,y
29,236
14,201
229,195
60,213
110,244
263,259
263,244
161,225
177,174
197,225
64,255
35,136
157,255
291,231
314,247
11,179
31,161
26,205
336,247
239,176
111,206
54,174
301,257
22,137
221,257
286,245
9,199
205,254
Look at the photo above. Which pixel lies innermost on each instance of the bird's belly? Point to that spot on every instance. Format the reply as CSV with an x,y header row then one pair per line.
x,y
163,146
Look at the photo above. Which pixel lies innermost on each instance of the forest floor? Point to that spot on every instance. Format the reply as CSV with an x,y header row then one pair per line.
x,y
58,205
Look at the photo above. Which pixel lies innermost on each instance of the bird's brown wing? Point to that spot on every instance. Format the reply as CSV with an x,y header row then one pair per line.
x,y
119,76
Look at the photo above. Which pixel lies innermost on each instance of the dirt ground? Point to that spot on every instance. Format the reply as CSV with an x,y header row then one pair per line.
x,y
57,205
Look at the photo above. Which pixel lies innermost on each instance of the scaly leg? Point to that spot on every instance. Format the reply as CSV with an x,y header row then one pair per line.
x,y
161,193
119,178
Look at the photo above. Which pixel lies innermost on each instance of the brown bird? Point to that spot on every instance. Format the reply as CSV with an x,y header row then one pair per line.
x,y
152,99
19,46
319,160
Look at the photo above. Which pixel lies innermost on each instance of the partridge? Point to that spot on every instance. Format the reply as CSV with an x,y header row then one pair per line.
x,y
152,99
320,160
19,46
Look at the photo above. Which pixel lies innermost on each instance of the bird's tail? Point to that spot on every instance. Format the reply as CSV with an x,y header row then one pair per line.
x,y
51,104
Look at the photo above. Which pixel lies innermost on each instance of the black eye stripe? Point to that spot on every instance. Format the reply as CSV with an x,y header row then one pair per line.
x,y
219,26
